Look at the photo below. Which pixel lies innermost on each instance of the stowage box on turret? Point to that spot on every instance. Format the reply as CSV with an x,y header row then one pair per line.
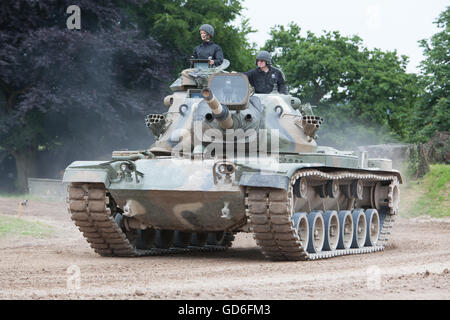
x,y
226,160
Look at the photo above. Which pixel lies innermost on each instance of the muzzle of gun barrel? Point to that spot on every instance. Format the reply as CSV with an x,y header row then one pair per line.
x,y
219,111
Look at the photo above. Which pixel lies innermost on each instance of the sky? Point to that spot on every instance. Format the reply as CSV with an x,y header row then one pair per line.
x,y
385,24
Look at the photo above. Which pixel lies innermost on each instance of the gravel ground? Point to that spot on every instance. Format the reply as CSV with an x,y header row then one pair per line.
x,y
414,265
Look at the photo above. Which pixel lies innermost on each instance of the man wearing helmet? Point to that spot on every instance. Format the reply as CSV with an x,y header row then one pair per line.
x,y
208,49
264,77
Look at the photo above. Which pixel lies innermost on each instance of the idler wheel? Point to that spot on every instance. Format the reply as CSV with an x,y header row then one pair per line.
x,y
373,227
300,222
359,228
394,196
316,232
301,188
345,230
331,230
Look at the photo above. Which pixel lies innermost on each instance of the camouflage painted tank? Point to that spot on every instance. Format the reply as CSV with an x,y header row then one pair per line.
x,y
226,160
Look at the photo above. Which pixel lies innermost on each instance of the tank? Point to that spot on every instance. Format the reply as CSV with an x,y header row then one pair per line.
x,y
228,160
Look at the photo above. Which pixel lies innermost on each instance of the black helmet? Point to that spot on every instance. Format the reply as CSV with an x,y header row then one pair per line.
x,y
208,29
264,55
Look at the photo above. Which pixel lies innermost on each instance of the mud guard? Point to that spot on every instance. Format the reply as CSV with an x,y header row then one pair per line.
x,y
88,171
261,177
264,180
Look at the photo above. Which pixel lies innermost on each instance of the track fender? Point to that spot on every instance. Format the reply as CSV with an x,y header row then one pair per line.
x,y
89,172
278,179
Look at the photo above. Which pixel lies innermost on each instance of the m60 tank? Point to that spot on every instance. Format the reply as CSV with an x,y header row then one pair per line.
x,y
226,160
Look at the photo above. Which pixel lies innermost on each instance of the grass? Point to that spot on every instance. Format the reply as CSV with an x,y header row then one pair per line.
x,y
434,193
20,227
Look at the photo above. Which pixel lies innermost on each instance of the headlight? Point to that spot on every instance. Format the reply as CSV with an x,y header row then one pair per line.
x,y
123,167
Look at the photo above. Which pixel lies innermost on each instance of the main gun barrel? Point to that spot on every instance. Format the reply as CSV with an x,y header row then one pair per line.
x,y
220,112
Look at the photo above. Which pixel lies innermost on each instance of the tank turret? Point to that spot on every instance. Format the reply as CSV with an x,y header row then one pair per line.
x,y
226,102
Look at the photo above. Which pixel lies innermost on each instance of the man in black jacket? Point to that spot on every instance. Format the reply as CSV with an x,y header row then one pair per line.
x,y
208,49
265,76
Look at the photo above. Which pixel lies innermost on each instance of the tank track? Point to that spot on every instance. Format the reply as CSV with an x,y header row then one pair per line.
x,y
269,214
89,207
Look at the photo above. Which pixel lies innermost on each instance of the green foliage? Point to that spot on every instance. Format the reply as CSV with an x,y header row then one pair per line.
x,y
317,66
21,137
352,85
55,83
176,23
22,227
434,200
432,112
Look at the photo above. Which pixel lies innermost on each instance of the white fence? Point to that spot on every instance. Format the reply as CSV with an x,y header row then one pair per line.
x,y
48,188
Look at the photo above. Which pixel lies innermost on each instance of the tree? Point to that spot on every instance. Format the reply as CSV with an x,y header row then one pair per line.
x,y
176,23
64,89
315,66
433,109
357,90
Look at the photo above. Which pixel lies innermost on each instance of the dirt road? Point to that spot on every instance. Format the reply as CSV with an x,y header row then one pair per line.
x,y
415,265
